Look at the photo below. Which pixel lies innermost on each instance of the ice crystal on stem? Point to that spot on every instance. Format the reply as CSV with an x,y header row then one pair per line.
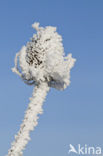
x,y
41,63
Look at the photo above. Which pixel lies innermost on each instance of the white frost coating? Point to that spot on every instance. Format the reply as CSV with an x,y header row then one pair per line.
x,y
41,63
30,120
42,59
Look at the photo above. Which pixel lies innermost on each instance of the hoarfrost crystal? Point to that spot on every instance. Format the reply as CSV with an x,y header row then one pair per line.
x,y
41,63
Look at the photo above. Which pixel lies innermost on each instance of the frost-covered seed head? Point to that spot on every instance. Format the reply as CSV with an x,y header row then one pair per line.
x,y
42,59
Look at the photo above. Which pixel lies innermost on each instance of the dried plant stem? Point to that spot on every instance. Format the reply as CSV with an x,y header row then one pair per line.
x,y
30,120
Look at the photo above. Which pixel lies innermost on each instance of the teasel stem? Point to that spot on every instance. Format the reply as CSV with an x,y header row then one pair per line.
x,y
30,119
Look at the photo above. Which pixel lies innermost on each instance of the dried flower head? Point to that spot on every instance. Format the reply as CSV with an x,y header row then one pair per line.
x,y
42,59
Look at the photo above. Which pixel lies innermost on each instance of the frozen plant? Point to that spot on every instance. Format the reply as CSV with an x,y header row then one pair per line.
x,y
40,63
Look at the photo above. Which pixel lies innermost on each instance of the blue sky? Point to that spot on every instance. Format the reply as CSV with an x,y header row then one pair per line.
x,y
71,116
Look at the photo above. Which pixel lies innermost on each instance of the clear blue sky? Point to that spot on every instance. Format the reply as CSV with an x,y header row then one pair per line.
x,y
71,116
